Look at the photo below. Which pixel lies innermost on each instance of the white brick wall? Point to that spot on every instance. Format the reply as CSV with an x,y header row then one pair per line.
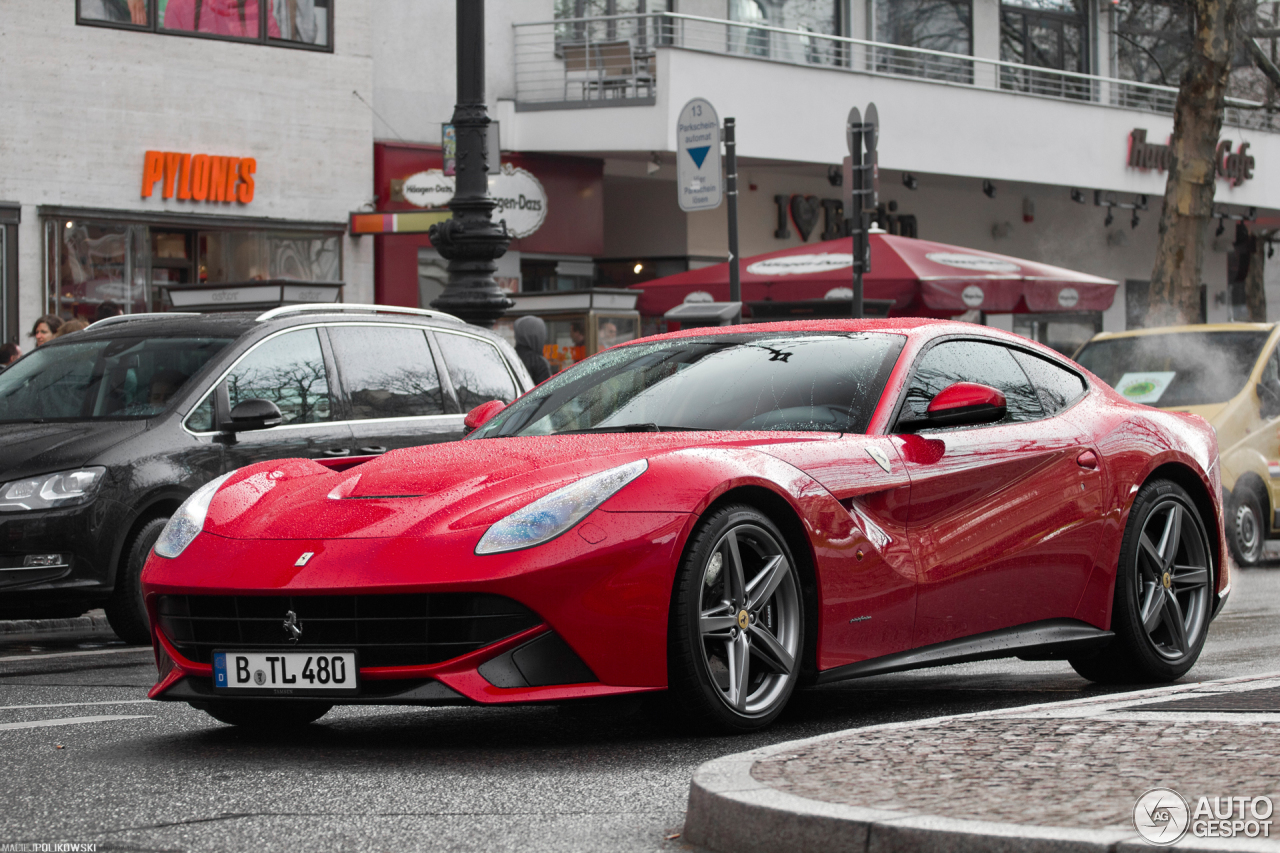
x,y
80,105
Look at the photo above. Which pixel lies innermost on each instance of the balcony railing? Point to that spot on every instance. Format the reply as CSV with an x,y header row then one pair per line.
x,y
609,61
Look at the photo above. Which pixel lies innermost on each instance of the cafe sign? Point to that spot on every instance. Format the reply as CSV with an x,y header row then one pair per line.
x,y
1234,167
521,198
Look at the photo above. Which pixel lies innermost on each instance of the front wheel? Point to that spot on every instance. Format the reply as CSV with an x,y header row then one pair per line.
x,y
126,612
1245,528
736,625
1163,592
266,715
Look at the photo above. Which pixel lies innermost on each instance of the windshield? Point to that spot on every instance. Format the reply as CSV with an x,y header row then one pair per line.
x,y
113,378
825,383
1177,369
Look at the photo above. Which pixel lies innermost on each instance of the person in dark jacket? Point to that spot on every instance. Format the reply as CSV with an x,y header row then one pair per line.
x,y
531,336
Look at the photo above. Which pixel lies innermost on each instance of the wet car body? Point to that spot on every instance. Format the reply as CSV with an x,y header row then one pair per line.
x,y
912,547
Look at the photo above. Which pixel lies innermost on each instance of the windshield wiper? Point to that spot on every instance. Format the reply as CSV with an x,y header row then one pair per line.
x,y
629,428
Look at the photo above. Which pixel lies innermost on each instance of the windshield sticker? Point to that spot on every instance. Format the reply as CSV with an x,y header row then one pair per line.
x,y
1145,387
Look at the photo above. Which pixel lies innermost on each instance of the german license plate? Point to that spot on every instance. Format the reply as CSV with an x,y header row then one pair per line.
x,y
285,673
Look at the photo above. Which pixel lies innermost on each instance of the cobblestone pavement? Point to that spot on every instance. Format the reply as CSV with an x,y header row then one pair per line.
x,y
1070,773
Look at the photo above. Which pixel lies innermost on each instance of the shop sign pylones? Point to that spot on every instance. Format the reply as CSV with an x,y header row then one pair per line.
x,y
198,177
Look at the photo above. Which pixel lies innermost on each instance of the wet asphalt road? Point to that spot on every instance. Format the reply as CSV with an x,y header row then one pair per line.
x,y
137,775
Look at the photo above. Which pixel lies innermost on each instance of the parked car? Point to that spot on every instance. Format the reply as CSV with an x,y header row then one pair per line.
x,y
105,433
722,514
1229,374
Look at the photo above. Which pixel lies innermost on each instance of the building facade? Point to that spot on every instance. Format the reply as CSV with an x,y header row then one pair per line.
x,y
182,154
1031,128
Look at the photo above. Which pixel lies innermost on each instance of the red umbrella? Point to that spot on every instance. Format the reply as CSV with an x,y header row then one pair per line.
x,y
919,276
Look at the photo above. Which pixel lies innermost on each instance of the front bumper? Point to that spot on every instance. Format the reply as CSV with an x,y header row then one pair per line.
x,y
85,538
601,590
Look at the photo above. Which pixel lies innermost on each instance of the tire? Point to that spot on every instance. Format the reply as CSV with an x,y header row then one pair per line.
x,y
266,715
736,627
1246,528
1163,592
125,610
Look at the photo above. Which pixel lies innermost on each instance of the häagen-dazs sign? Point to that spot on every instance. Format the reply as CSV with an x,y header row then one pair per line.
x,y
522,201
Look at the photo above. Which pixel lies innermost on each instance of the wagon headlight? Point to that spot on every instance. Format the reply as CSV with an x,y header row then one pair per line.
x,y
50,491
188,520
549,516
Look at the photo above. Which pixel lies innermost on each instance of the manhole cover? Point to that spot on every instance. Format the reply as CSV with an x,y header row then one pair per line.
x,y
1249,701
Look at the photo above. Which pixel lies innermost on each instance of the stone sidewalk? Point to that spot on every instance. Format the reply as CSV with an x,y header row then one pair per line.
x,y
1054,777
93,623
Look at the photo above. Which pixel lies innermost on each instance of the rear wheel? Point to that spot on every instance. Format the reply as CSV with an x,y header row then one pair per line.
x,y
1163,592
1245,527
266,715
736,626
125,609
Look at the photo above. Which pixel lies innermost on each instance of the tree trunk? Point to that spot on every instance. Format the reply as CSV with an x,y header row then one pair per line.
x,y
1255,296
1188,198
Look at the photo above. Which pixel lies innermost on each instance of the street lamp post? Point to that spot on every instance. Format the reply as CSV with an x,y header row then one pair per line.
x,y
471,240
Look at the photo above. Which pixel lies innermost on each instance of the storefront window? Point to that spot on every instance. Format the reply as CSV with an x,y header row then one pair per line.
x,y
262,255
942,25
139,265
96,262
297,23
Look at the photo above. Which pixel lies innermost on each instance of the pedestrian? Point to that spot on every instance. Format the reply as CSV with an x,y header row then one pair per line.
x,y
107,309
9,353
70,326
45,328
531,337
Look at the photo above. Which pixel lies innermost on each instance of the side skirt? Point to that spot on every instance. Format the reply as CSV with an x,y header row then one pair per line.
x,y
1051,639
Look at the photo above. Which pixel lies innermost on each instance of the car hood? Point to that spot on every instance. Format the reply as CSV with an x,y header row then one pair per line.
x,y
36,448
439,487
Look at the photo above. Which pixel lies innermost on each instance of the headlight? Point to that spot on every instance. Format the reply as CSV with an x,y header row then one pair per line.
x,y
66,488
188,520
549,516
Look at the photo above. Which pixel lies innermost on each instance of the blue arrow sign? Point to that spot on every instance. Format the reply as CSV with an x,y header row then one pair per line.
x,y
699,154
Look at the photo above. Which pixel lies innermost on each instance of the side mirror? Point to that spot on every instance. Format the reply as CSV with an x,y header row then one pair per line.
x,y
254,414
481,415
966,403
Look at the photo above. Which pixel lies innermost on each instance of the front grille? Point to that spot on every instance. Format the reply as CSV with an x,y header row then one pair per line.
x,y
385,630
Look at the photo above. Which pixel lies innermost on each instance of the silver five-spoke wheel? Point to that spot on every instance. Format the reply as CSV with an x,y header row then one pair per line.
x,y
1164,591
736,635
750,619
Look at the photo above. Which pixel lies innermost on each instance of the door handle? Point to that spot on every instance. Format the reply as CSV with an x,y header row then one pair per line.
x,y
337,451
1088,460
373,449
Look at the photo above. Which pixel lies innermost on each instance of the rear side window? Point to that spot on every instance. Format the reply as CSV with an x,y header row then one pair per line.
x,y
972,361
477,370
289,371
1056,386
387,371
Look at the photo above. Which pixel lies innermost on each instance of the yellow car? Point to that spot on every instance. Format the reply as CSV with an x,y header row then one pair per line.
x,y
1229,374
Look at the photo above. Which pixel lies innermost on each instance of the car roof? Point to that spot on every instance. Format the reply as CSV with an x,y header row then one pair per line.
x,y
1191,329
233,324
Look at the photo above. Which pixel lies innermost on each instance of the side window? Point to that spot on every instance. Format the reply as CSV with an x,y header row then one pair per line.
x,y
201,417
289,371
477,370
1057,387
387,371
972,361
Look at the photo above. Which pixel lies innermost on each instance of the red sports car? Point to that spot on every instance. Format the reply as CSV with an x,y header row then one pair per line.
x,y
722,514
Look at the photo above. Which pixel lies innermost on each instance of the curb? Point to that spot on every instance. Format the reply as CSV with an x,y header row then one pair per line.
x,y
92,622
730,811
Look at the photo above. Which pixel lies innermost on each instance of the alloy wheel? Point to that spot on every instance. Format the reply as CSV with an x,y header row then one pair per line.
x,y
749,620
1173,580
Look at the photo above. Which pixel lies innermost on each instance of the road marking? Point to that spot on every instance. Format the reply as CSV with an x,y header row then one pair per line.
x,y
71,721
77,654
74,704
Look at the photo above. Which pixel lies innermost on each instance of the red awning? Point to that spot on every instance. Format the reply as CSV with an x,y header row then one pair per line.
x,y
920,276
